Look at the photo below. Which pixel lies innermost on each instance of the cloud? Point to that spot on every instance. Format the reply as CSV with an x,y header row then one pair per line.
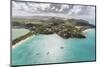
x,y
32,8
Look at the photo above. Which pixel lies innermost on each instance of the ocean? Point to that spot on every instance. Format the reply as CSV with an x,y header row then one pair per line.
x,y
43,49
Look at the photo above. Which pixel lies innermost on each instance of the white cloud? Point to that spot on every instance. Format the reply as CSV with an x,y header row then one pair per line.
x,y
63,7
32,9
75,10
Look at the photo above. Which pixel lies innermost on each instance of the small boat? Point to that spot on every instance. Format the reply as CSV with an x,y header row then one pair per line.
x,y
48,53
62,47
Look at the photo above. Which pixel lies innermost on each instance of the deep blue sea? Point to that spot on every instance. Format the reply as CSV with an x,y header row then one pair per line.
x,y
43,49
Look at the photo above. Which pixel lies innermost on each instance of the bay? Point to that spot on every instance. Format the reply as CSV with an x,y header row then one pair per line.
x,y
43,49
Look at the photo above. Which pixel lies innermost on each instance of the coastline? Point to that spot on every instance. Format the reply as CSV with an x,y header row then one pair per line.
x,y
88,30
22,41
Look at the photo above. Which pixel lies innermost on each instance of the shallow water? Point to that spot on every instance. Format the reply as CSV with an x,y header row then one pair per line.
x,y
18,32
43,49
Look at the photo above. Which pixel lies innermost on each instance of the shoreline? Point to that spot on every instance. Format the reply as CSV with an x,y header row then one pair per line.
x,y
88,30
22,41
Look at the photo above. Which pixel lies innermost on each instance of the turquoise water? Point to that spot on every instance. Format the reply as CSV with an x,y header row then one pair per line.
x,y
91,21
18,32
43,49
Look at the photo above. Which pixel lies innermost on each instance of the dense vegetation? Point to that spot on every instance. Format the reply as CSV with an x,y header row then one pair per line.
x,y
70,28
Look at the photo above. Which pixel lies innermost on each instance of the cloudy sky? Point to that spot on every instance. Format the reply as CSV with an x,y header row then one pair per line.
x,y
51,9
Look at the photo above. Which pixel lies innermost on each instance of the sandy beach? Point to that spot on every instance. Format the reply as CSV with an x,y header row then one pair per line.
x,y
22,41
87,30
